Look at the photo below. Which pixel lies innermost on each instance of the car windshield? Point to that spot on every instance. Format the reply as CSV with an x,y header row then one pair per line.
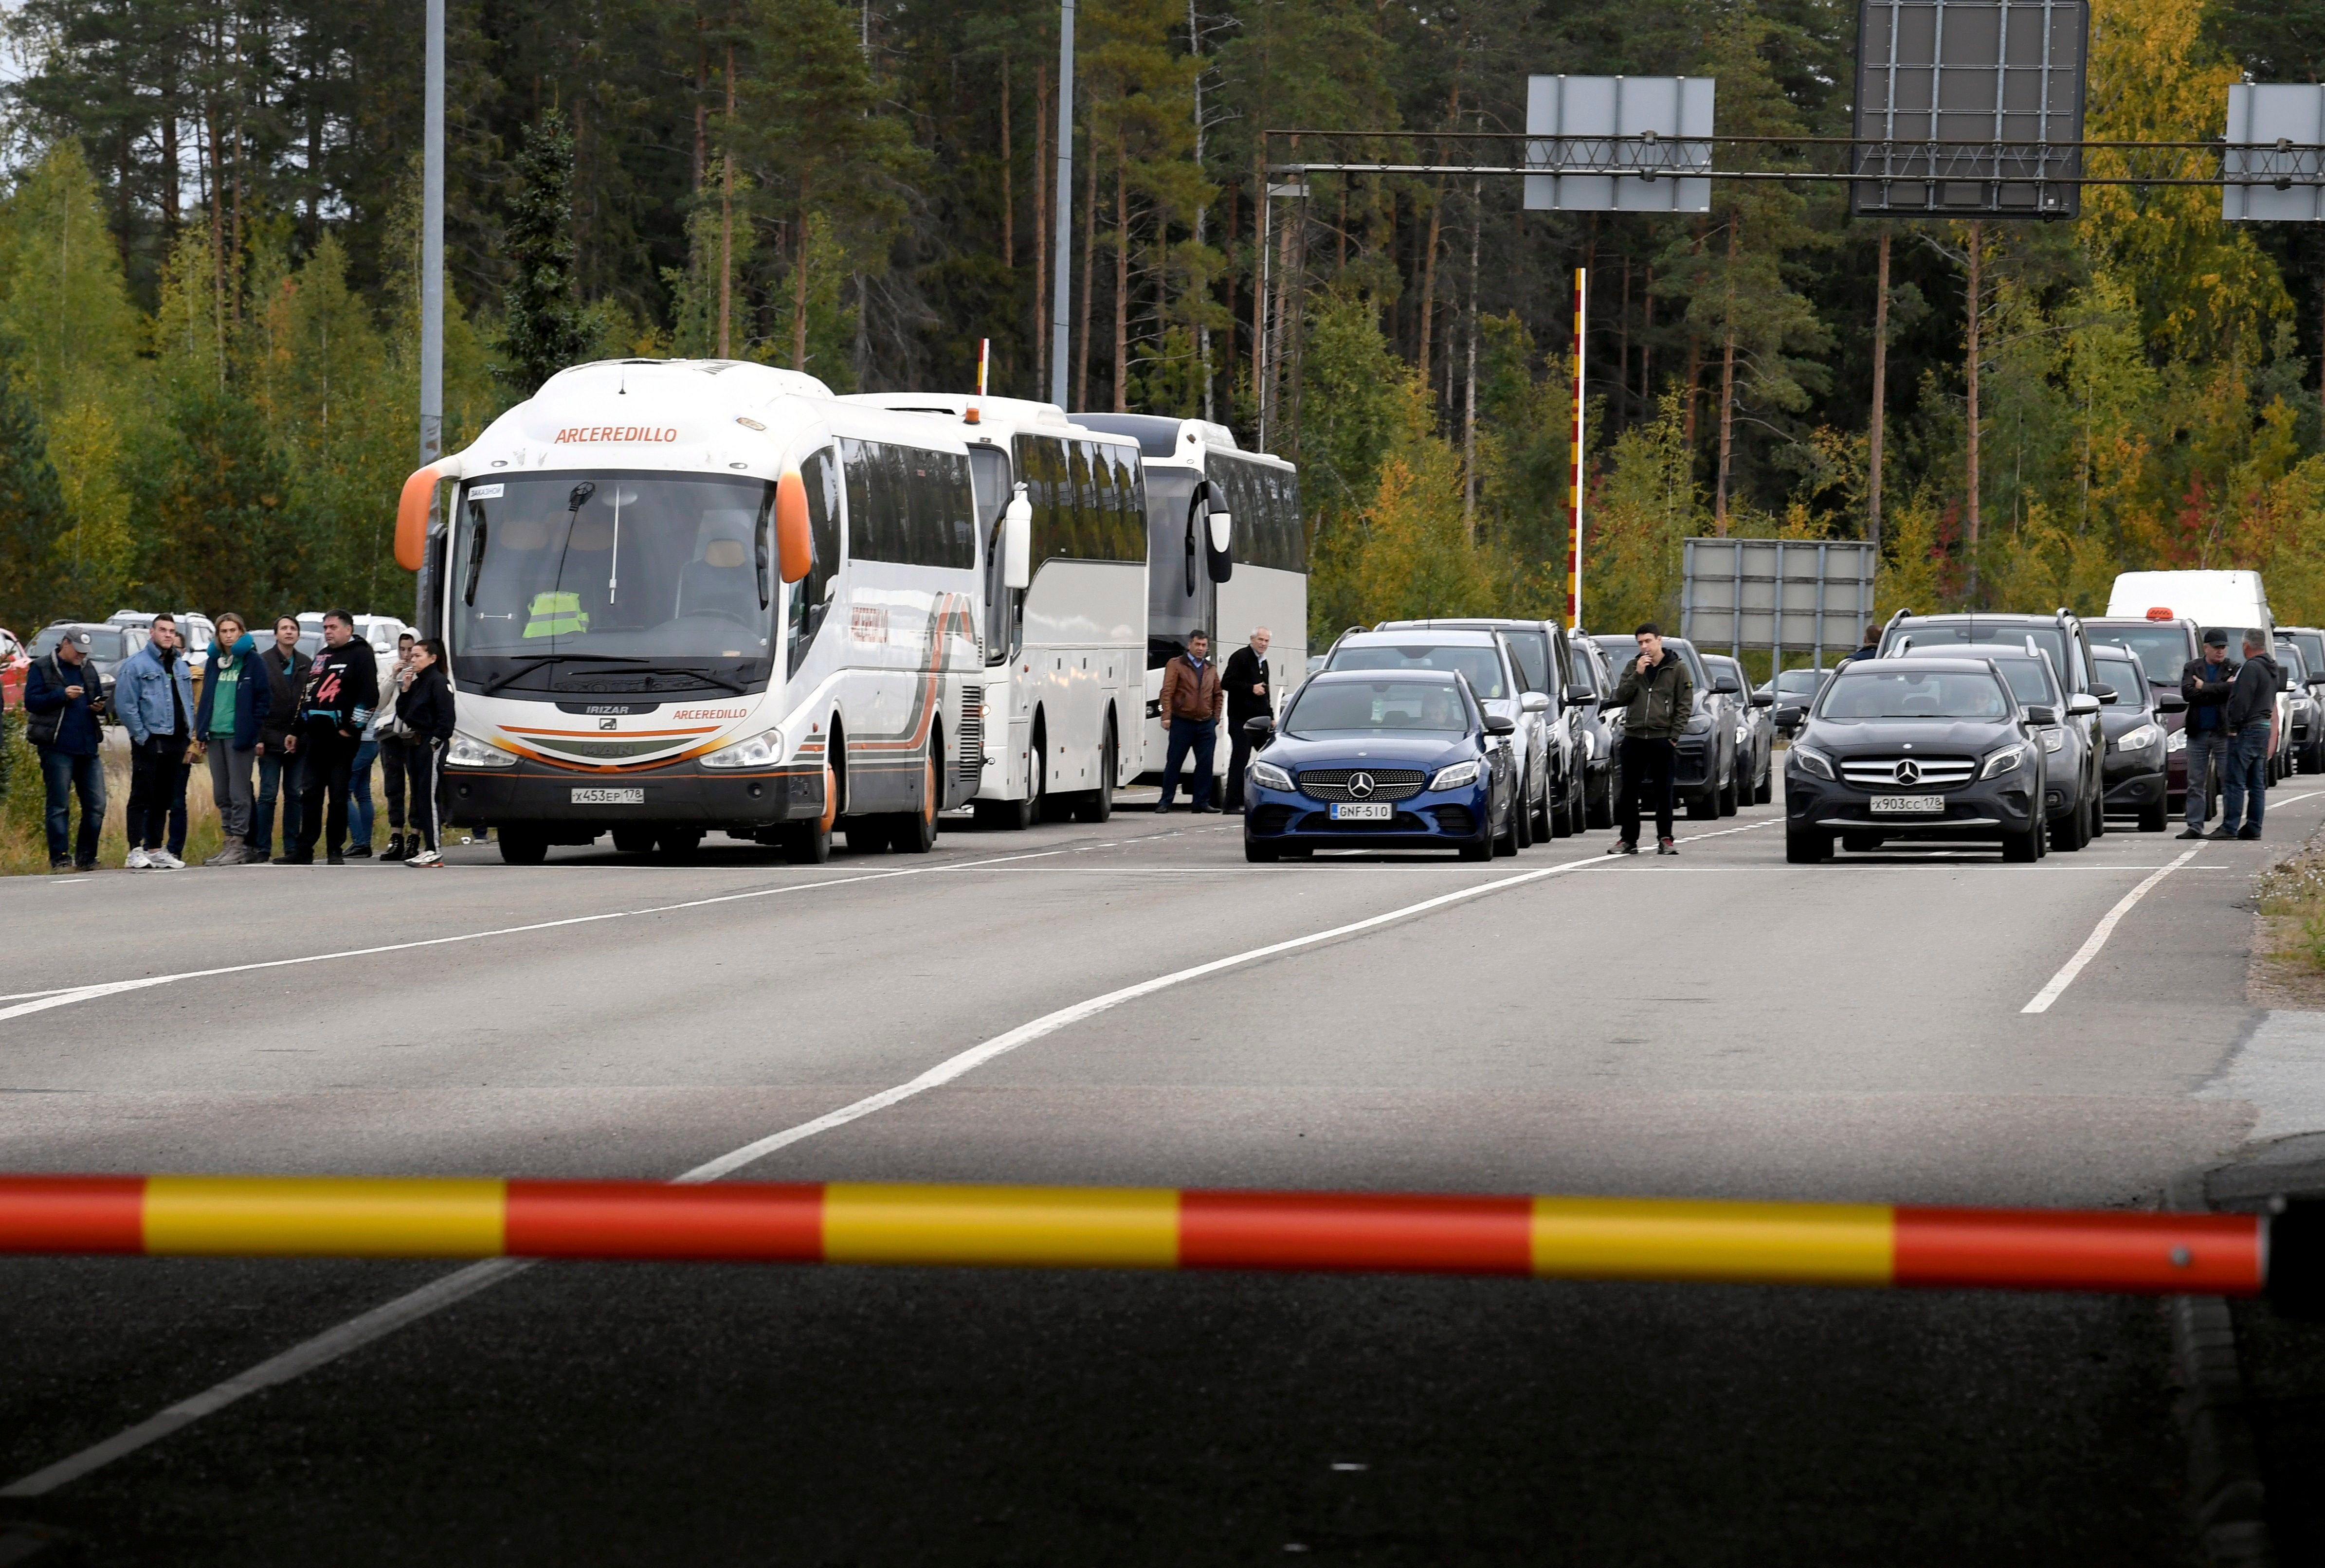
x,y
1930,635
1483,666
2123,675
107,644
1372,707
2163,648
1795,682
1866,693
560,576
2030,678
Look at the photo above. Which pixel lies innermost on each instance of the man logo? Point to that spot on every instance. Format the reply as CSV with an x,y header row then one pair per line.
x,y
1360,786
607,723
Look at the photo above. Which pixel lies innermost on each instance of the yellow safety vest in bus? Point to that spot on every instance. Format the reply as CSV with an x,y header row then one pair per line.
x,y
556,615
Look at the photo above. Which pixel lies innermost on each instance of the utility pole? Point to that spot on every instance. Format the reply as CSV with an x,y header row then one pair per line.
x,y
431,247
1061,292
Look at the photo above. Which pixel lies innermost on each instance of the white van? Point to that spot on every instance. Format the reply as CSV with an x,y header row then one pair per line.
x,y
2232,599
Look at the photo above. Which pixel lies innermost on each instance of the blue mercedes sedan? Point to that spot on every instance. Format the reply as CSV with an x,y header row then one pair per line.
x,y
1367,760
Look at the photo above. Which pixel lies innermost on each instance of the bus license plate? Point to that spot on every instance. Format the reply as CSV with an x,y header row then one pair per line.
x,y
586,796
1363,811
1909,802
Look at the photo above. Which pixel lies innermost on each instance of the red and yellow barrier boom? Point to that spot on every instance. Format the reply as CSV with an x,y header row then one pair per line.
x,y
1864,1244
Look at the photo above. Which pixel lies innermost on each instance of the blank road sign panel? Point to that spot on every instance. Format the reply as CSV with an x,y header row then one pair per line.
x,y
1974,106
2270,113
1632,144
1775,592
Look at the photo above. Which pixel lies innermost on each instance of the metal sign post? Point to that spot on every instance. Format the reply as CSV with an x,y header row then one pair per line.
x,y
1061,292
1574,496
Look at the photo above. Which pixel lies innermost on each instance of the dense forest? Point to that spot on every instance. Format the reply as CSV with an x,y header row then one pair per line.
x,y
208,249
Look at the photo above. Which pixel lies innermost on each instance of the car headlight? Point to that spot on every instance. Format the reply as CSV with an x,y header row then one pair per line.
x,y
2139,740
1456,776
2005,760
467,752
1268,776
2178,743
1743,735
1814,763
761,751
2052,739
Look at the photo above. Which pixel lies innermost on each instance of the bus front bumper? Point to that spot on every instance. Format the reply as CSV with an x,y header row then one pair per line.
x,y
585,805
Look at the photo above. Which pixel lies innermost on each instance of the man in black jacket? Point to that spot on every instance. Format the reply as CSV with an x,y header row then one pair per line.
x,y
1247,685
64,705
342,688
285,669
1657,695
2205,683
2250,714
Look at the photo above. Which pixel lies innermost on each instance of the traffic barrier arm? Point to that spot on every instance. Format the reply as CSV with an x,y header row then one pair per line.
x,y
1164,1228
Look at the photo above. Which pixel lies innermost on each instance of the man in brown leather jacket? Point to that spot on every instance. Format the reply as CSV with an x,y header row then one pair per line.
x,y
1191,700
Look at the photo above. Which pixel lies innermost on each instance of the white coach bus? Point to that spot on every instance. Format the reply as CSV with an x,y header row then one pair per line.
x,y
694,596
1064,658
1193,465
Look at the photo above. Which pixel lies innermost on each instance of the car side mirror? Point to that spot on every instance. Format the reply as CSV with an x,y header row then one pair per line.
x,y
1789,717
2109,697
1495,724
1017,542
2171,702
1534,702
1726,685
1578,695
2042,715
1761,700
1259,728
2083,701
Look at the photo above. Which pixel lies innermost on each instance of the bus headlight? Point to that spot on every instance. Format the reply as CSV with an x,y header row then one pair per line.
x,y
762,750
467,752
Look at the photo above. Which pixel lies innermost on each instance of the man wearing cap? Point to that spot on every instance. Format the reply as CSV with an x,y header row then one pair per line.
x,y
62,700
2205,683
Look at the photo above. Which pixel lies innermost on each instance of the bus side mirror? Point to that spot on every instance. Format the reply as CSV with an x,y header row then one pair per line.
x,y
1219,554
795,544
412,516
1017,542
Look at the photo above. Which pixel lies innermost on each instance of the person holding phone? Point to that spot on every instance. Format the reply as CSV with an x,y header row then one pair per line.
x,y
64,705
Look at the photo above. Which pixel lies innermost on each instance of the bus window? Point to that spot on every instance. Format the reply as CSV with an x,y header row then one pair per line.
x,y
1174,607
812,594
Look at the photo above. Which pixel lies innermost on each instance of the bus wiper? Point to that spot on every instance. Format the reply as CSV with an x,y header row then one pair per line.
x,y
530,664
720,681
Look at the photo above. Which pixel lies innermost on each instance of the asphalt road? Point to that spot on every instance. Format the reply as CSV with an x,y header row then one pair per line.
x,y
1719,1024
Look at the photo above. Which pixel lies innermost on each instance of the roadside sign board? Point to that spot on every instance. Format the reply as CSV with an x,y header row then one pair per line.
x,y
2269,113
1632,144
1812,593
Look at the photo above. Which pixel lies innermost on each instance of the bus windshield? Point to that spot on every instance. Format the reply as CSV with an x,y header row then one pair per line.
x,y
614,582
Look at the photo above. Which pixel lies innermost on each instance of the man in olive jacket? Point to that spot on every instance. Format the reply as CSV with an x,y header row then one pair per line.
x,y
1658,698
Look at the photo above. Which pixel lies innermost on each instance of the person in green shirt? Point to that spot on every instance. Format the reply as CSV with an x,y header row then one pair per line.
x,y
234,703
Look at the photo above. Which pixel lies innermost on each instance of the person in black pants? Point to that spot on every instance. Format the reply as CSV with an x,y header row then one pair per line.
x,y
286,671
342,688
1658,698
426,709
1246,683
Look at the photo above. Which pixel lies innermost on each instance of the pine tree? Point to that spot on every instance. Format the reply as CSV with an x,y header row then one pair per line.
x,y
542,332
32,512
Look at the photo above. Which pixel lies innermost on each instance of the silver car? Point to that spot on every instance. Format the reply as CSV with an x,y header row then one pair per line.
x,y
1545,664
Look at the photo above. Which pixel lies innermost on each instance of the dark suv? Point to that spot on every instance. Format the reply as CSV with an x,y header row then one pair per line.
x,y
2163,648
1916,748
2077,791
1600,728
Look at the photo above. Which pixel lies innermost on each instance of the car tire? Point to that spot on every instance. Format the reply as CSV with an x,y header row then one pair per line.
x,y
2023,848
2098,816
521,848
1522,824
1506,842
1766,790
1481,850
2153,819
1550,820
1728,792
1258,854
1578,811
1704,806
1599,808
1807,845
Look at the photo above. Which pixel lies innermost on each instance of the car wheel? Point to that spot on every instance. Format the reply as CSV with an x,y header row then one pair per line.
x,y
2022,848
1549,821
1522,824
1727,792
1807,845
1481,850
1704,806
2098,816
1258,853
2153,818
1600,809
1766,790
1507,842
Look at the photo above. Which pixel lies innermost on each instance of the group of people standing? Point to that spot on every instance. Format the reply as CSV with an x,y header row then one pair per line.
x,y
1195,692
272,725
2231,720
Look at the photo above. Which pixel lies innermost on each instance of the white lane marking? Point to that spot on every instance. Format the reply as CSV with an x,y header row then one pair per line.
x,y
2099,934
115,987
412,1305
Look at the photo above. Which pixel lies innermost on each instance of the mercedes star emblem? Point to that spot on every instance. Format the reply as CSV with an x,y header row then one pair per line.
x,y
1909,772
1360,786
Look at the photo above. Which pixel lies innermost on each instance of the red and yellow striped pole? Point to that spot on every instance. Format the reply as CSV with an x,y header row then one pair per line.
x,y
1140,1228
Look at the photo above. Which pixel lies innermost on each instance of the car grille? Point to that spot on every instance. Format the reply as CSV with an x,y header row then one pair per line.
x,y
1881,772
1388,783
1269,819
